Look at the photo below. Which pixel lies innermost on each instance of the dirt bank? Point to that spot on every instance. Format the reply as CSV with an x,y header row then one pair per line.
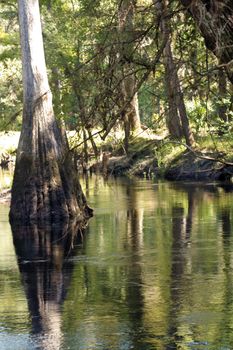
x,y
190,167
187,166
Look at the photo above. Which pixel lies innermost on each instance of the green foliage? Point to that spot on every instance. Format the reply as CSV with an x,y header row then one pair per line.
x,y
197,115
11,94
10,69
82,45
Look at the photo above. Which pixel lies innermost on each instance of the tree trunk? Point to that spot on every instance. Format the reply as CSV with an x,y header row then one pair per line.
x,y
187,131
177,111
222,90
85,155
215,21
44,186
94,147
131,117
172,119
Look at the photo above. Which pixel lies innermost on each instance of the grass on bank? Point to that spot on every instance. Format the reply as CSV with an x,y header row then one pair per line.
x,y
146,146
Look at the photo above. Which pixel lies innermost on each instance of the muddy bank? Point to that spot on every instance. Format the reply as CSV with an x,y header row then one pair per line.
x,y
147,160
190,167
186,167
131,166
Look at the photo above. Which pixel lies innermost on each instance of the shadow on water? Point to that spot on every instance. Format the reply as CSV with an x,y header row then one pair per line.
x,y
42,254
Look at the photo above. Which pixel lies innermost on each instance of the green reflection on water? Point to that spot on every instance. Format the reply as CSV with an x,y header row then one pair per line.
x,y
154,270
13,305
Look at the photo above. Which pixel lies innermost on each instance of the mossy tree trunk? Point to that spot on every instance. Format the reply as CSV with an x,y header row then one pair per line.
x,y
44,185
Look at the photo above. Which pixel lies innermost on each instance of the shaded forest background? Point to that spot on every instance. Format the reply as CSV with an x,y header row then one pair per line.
x,y
118,69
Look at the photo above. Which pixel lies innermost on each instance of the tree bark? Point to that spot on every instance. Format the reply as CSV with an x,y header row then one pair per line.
x,y
44,186
187,131
178,119
222,90
215,21
131,117
172,119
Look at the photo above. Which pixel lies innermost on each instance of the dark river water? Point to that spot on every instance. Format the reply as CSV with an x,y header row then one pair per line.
x,y
154,270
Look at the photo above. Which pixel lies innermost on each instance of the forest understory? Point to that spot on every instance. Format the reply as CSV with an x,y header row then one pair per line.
x,y
149,156
146,85
170,160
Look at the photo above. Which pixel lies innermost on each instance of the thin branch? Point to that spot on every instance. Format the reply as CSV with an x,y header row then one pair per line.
x,y
88,138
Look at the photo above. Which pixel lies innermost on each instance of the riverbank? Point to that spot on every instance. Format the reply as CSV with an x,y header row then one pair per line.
x,y
149,156
172,160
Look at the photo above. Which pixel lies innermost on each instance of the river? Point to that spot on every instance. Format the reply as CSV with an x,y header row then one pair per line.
x,y
154,270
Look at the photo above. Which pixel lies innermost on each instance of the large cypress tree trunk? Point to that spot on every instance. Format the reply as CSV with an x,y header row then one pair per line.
x,y
215,21
44,186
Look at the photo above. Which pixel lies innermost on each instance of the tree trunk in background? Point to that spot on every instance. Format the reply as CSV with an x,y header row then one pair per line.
x,y
44,186
178,123
215,21
94,146
172,119
131,117
222,90
85,151
187,131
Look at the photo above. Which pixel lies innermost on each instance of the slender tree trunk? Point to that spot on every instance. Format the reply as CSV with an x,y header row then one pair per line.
x,y
94,147
85,150
222,89
44,187
177,111
75,80
187,131
131,117
172,119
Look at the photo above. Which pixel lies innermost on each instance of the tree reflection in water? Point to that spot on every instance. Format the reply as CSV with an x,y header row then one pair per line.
x,y
134,290
181,235
226,324
142,276
42,254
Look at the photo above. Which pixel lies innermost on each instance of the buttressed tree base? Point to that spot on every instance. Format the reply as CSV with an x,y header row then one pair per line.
x,y
45,188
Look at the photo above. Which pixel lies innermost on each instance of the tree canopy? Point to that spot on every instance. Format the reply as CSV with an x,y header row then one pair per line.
x,y
89,58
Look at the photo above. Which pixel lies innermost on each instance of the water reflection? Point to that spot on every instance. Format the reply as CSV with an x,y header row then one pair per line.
x,y
226,324
42,254
154,271
177,271
134,290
